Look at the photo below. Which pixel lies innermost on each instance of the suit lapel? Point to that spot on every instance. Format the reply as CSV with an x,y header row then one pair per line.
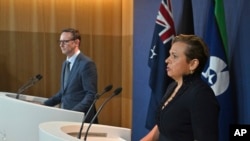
x,y
73,70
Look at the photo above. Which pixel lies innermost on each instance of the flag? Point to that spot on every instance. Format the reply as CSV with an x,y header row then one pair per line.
x,y
186,24
216,73
163,34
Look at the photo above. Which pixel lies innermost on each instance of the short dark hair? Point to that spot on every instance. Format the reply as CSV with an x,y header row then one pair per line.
x,y
196,49
75,33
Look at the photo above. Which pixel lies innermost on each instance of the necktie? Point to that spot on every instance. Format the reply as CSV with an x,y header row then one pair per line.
x,y
66,73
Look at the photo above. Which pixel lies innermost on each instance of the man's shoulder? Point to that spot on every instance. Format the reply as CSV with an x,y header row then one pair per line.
x,y
83,57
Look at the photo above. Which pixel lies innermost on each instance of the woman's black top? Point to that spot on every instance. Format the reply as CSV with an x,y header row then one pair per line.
x,y
192,114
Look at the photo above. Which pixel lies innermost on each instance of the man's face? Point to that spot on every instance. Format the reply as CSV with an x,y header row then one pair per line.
x,y
67,44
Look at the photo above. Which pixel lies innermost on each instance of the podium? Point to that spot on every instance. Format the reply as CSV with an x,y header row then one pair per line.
x,y
21,117
68,131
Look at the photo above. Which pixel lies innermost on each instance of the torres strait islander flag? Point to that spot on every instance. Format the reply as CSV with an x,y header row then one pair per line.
x,y
216,74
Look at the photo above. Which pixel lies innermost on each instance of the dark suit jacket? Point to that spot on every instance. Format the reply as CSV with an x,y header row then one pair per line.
x,y
193,114
81,88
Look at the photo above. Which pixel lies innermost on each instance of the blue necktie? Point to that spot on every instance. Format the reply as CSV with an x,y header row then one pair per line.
x,y
66,73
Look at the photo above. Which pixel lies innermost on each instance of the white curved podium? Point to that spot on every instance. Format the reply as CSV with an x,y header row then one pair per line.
x,y
20,119
68,131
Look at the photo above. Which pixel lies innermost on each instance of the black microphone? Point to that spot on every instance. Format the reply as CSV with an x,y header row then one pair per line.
x,y
30,83
116,92
106,89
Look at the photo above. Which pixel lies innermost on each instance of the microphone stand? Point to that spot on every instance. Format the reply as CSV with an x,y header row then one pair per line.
x,y
28,84
107,88
116,92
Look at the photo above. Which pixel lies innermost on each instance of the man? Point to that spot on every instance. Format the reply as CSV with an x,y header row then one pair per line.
x,y
79,85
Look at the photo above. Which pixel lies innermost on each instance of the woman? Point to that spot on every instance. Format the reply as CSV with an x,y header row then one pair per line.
x,y
189,110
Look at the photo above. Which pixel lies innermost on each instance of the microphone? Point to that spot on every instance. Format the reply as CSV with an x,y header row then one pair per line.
x,y
116,92
106,89
30,83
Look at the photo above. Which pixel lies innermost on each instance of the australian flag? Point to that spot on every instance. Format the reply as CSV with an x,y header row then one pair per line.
x,y
216,73
163,34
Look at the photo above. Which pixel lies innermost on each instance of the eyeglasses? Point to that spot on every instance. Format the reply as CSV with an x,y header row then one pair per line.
x,y
65,41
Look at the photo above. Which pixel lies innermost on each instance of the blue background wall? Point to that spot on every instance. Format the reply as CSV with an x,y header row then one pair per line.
x,y
237,20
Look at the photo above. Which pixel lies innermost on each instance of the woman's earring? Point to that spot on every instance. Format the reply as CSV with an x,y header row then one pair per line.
x,y
191,71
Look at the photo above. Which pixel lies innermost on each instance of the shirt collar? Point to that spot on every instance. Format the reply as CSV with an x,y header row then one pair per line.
x,y
73,58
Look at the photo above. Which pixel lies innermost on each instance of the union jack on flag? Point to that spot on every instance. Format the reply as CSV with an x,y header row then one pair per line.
x,y
165,19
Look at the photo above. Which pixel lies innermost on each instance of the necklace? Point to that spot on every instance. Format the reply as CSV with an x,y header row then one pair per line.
x,y
170,98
